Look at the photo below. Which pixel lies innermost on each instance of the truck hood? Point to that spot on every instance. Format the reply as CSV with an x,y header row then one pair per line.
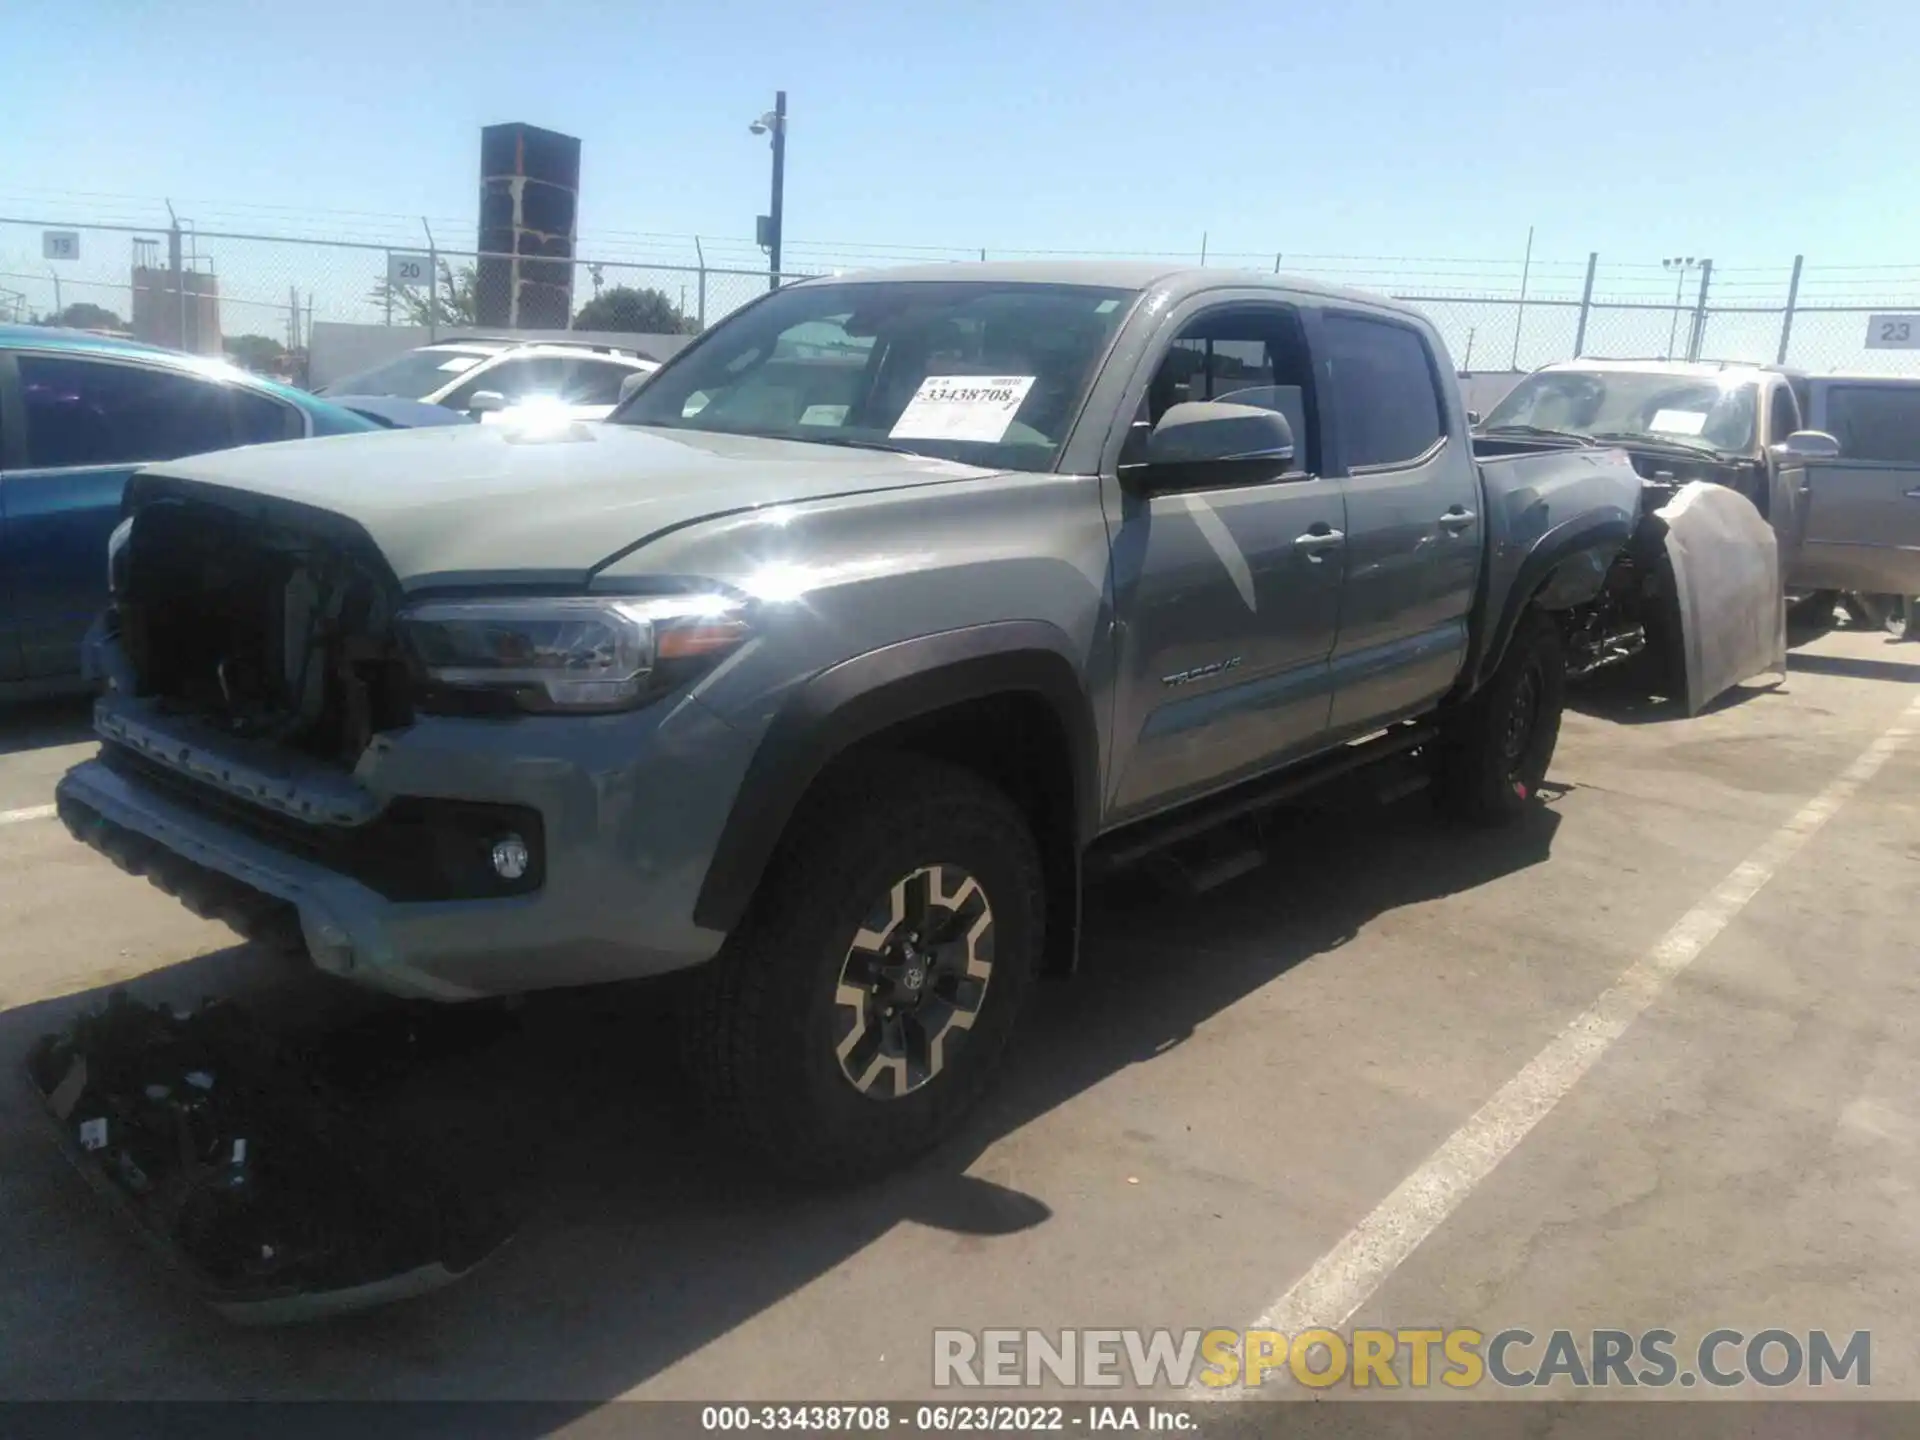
x,y
454,504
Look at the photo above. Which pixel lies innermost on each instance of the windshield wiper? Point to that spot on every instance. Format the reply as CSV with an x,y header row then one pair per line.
x,y
1663,442
1548,431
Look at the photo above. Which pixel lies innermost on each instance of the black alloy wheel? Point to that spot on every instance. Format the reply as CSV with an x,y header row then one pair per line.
x,y
913,981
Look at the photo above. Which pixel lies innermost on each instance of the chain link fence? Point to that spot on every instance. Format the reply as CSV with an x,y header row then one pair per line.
x,y
258,296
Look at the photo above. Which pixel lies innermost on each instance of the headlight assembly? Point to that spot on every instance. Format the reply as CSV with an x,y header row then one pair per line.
x,y
568,653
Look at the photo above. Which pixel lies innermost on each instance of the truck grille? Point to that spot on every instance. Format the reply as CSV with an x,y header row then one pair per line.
x,y
259,629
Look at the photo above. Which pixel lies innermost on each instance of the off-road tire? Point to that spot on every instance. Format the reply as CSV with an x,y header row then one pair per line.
x,y
758,1023
1482,778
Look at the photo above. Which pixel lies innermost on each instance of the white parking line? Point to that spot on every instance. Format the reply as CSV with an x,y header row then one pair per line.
x,y
32,812
1346,1277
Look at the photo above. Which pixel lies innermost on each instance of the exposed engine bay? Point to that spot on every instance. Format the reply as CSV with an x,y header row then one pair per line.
x,y
263,631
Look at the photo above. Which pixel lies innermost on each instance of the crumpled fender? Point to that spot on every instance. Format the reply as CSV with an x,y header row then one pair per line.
x,y
1726,575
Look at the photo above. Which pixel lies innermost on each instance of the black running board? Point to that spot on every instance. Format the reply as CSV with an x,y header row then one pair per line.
x,y
1135,842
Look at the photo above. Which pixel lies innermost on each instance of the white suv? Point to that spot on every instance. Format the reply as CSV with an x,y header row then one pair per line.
x,y
487,379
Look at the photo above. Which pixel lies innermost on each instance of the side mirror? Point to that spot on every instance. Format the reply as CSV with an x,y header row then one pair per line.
x,y
1809,445
633,382
1201,444
1473,418
486,402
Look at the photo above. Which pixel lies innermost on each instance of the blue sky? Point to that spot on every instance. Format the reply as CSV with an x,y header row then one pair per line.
x,y
1749,130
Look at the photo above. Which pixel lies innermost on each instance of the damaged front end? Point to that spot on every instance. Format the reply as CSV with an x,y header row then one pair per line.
x,y
270,627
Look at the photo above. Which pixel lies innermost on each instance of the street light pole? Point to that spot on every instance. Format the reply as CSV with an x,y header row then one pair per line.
x,y
774,122
779,184
1679,265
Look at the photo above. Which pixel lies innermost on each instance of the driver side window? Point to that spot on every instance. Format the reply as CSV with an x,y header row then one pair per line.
x,y
1243,355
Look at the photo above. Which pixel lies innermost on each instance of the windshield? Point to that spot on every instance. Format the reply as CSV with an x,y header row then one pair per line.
x,y
412,376
978,371
1705,411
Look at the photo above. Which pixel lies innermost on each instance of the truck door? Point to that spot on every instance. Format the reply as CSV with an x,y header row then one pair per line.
x,y
1862,511
10,436
1414,534
1228,600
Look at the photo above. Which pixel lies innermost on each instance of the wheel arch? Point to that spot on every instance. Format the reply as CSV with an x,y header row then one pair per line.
x,y
1566,567
1005,699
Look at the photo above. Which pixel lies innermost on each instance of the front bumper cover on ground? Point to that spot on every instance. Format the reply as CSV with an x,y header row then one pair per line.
x,y
257,1182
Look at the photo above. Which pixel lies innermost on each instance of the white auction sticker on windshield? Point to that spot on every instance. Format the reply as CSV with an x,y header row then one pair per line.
x,y
962,407
1678,422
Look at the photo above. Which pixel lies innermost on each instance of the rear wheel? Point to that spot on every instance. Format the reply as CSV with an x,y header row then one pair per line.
x,y
1495,751
865,1004
1903,618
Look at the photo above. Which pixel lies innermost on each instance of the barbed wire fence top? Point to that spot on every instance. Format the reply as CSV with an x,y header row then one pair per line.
x,y
1495,314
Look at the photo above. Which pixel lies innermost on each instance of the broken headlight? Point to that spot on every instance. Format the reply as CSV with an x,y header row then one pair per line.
x,y
566,653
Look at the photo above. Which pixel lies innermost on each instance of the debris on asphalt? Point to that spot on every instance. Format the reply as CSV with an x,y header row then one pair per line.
x,y
246,1164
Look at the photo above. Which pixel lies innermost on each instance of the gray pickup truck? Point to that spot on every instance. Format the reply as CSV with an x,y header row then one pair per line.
x,y
827,668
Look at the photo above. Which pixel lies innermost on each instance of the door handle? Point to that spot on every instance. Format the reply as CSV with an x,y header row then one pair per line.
x,y
1457,519
1914,494
1314,542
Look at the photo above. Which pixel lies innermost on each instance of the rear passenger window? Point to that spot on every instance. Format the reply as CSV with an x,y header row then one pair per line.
x,y
99,412
1385,397
1876,422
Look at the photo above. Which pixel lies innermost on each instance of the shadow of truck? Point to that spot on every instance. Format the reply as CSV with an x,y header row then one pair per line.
x,y
642,1238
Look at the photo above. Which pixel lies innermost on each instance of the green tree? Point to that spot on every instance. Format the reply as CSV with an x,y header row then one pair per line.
x,y
84,316
629,311
452,302
259,353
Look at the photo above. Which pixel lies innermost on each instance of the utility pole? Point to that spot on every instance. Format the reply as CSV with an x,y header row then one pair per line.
x,y
774,123
179,280
1520,310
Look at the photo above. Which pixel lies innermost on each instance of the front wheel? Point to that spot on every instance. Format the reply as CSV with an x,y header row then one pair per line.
x,y
865,1004
1495,750
1903,618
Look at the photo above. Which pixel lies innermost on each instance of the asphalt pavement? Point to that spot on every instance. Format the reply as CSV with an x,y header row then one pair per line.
x,y
1645,1062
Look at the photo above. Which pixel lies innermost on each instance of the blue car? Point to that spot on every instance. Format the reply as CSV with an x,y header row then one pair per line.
x,y
79,413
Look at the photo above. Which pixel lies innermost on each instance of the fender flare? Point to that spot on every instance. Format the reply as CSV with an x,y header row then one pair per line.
x,y
1550,552
858,698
